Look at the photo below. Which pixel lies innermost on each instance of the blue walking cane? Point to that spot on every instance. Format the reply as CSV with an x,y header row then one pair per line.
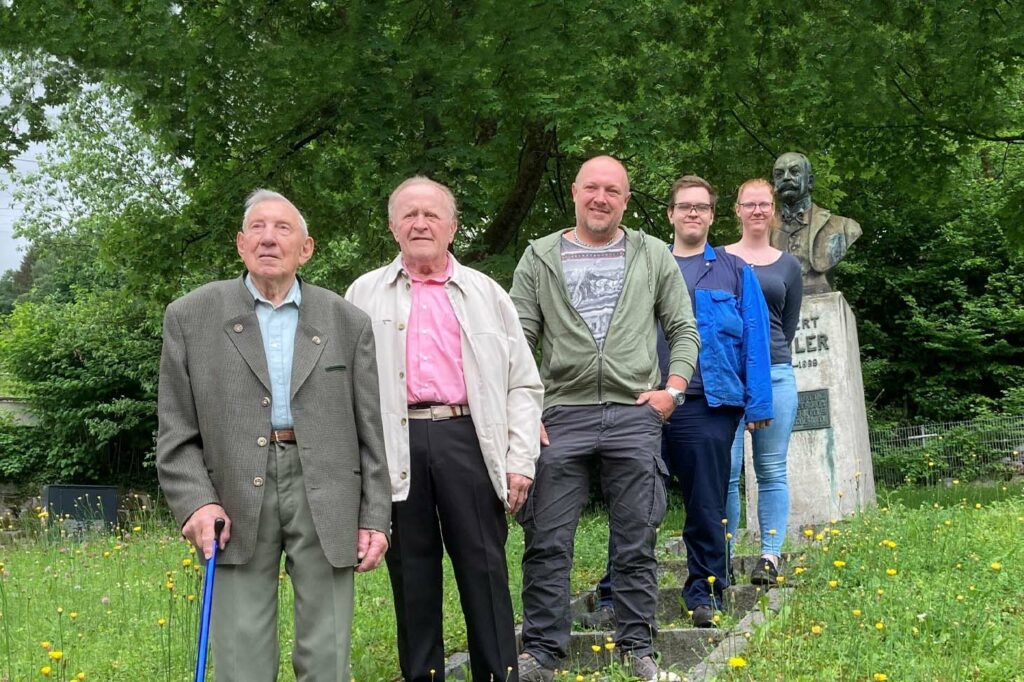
x,y
204,625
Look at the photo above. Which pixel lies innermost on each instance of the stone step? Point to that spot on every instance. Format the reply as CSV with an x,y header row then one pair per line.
x,y
681,648
737,601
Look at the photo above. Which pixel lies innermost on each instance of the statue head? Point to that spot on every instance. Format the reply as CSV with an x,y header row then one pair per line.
x,y
792,178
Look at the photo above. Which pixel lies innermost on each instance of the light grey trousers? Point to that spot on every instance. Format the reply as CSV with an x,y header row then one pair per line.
x,y
244,626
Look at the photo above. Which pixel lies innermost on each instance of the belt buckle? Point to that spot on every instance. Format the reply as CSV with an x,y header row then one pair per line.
x,y
438,413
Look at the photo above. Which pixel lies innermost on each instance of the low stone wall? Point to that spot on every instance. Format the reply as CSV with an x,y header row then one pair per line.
x,y
18,409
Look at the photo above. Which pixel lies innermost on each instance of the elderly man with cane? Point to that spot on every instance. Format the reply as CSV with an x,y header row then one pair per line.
x,y
270,419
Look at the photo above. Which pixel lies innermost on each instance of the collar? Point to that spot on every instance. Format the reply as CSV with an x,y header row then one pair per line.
x,y
798,215
396,269
709,252
294,293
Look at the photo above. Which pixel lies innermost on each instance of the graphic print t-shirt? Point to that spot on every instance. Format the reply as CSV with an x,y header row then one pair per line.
x,y
593,278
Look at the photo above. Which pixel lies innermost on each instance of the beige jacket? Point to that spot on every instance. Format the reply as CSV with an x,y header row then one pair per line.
x,y
504,388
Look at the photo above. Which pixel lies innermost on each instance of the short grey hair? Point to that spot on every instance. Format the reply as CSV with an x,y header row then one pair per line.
x,y
449,198
258,196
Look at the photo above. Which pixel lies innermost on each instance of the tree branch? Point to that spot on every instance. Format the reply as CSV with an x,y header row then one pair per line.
x,y
538,144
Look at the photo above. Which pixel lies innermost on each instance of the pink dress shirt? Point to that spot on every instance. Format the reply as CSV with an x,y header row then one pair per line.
x,y
433,350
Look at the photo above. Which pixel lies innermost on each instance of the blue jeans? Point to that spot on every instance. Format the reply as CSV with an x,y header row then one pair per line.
x,y
771,445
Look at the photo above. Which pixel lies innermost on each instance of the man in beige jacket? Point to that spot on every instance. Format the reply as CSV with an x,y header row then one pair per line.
x,y
461,402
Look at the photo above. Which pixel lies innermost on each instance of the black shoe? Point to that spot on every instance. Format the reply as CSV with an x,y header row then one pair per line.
x,y
704,617
603,618
764,573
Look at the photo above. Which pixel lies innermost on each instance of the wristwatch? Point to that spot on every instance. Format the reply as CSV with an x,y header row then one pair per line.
x,y
677,396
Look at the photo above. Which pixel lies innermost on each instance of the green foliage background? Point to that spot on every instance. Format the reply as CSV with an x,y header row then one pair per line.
x,y
170,113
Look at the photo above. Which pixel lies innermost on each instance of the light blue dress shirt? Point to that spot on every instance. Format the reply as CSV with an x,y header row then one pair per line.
x,y
277,327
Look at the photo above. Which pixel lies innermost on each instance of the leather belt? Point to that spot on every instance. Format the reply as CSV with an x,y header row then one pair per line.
x,y
282,436
439,412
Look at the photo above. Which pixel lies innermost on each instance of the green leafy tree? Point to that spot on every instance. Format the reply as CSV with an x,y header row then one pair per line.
x,y
173,112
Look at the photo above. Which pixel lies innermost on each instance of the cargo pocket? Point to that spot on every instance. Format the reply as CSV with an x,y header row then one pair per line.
x,y
659,495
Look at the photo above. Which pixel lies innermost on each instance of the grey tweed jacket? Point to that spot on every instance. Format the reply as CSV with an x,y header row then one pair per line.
x,y
214,414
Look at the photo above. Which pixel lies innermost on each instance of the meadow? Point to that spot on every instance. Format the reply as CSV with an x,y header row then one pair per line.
x,y
926,587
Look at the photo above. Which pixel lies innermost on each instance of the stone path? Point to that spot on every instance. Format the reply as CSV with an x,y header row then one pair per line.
x,y
694,654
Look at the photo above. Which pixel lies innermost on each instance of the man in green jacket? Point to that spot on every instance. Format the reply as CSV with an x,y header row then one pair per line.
x,y
594,296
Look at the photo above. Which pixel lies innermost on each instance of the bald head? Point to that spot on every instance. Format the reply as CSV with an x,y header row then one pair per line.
x,y
604,163
600,194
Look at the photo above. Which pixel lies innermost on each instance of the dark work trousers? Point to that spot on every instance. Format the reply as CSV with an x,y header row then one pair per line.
x,y
693,445
626,439
698,450
451,506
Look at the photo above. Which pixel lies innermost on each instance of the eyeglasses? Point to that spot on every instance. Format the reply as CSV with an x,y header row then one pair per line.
x,y
687,207
749,206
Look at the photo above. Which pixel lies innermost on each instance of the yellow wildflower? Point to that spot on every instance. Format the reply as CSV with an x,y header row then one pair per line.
x,y
996,566
856,613
879,626
45,671
838,563
890,572
596,648
56,655
879,677
737,662
815,629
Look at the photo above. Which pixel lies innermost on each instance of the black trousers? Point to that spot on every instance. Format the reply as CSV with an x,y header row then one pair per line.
x,y
451,506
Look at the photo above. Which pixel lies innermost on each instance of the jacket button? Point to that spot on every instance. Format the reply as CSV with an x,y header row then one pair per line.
x,y
265,402
404,422
401,375
238,328
316,340
261,441
403,475
401,326
258,482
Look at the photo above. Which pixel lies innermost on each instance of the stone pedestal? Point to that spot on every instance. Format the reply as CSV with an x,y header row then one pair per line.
x,y
829,462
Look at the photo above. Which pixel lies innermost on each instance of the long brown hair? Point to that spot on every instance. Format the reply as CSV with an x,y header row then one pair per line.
x,y
773,222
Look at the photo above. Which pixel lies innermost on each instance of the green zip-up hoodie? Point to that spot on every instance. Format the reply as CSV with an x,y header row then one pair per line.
x,y
575,371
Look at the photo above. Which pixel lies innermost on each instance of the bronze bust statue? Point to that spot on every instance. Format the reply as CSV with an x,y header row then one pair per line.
x,y
817,238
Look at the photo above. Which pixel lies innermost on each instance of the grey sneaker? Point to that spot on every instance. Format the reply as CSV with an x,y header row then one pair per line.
x,y
601,619
530,669
646,669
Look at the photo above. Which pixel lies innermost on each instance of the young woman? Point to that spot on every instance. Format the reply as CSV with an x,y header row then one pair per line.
x,y
780,279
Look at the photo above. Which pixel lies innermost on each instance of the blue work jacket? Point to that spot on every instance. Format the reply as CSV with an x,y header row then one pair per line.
x,y
732,318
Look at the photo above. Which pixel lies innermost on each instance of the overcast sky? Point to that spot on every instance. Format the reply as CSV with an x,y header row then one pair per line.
x,y
10,249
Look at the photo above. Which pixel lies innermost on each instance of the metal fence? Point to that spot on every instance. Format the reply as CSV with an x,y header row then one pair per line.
x,y
928,454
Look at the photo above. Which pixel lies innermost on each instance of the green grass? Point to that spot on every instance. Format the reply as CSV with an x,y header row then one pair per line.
x,y
116,585
928,587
